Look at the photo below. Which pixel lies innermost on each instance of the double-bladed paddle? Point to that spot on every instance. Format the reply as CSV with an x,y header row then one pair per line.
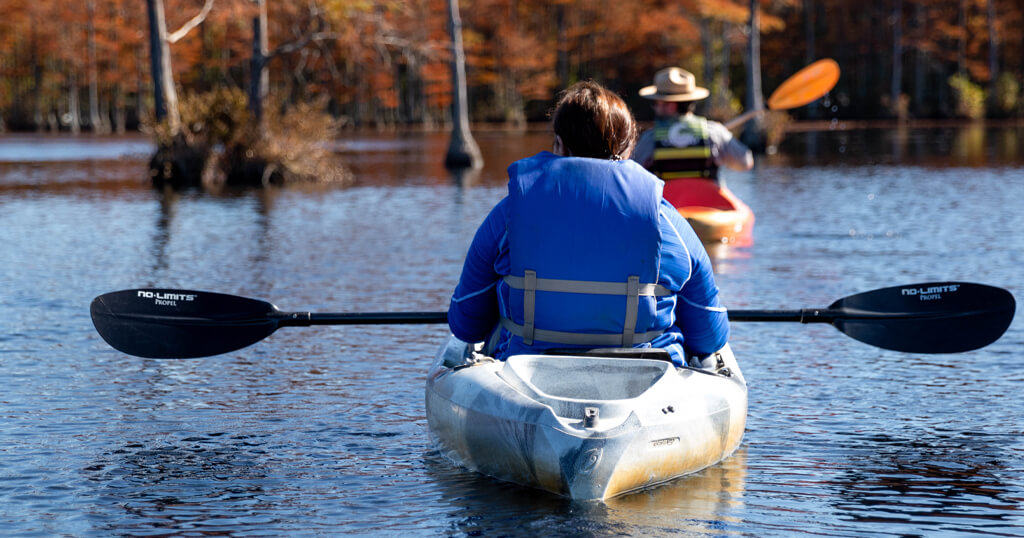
x,y
802,87
935,317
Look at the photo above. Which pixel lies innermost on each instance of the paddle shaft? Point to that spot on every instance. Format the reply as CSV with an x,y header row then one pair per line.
x,y
743,118
806,315
306,319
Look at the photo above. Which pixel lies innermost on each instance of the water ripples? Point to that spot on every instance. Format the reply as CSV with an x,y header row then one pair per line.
x,y
318,431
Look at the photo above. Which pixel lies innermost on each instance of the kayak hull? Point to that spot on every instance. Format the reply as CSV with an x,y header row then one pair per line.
x,y
584,427
714,212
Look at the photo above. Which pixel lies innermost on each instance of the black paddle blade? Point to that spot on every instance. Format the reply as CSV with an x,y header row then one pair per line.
x,y
934,317
180,324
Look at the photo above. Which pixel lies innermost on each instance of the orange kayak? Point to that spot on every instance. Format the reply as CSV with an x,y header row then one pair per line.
x,y
714,212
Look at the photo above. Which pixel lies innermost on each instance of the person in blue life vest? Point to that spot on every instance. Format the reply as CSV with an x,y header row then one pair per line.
x,y
683,144
584,252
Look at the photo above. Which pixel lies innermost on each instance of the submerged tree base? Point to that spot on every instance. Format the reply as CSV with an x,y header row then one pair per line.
x,y
221,144
178,164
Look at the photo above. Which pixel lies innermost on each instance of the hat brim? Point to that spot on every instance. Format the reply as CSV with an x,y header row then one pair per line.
x,y
651,92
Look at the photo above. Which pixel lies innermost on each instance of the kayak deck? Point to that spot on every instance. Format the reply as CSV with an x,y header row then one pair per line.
x,y
714,212
584,427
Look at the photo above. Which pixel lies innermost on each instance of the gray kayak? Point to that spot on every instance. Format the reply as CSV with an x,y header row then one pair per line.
x,y
585,427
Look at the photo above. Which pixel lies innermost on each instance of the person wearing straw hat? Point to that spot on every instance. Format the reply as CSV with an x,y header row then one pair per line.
x,y
683,144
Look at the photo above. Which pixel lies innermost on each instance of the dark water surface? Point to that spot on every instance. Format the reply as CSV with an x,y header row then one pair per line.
x,y
320,431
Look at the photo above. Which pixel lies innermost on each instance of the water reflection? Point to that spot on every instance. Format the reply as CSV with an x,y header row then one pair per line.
x,y
465,177
477,505
175,469
932,480
933,145
373,158
28,148
167,199
721,254
707,502
246,215
208,482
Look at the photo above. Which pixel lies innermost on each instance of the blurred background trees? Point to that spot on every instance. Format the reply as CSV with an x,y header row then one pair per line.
x,y
73,66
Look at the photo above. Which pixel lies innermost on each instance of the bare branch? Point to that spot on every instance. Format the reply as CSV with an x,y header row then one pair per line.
x,y
313,34
332,68
188,26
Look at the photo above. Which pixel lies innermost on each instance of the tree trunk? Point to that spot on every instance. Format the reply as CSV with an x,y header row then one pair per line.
x,y
176,162
95,121
462,150
993,47
809,36
725,61
257,68
809,31
156,53
562,59
961,45
259,78
37,80
119,111
920,62
895,89
74,114
165,98
753,132
707,44
140,78
117,115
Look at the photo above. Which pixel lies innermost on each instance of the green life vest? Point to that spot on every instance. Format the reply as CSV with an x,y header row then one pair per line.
x,y
682,149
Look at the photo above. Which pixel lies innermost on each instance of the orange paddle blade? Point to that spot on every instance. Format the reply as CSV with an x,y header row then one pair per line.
x,y
805,85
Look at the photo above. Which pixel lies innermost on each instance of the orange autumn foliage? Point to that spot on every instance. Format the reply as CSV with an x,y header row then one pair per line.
x,y
386,61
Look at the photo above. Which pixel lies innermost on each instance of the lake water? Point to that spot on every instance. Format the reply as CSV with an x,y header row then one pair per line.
x,y
321,431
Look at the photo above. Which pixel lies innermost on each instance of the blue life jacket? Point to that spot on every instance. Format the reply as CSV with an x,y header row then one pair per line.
x,y
584,246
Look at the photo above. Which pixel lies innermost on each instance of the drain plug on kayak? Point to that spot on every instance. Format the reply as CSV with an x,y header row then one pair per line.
x,y
590,415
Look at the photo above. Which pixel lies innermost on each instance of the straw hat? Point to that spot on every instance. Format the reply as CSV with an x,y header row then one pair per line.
x,y
674,84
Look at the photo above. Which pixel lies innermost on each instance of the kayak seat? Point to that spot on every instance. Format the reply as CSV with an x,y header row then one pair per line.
x,y
655,353
570,384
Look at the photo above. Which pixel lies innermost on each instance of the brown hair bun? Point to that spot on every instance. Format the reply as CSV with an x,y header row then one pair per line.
x,y
594,122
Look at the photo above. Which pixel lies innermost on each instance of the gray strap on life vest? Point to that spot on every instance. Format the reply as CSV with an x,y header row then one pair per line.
x,y
587,287
631,289
632,305
529,305
578,339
